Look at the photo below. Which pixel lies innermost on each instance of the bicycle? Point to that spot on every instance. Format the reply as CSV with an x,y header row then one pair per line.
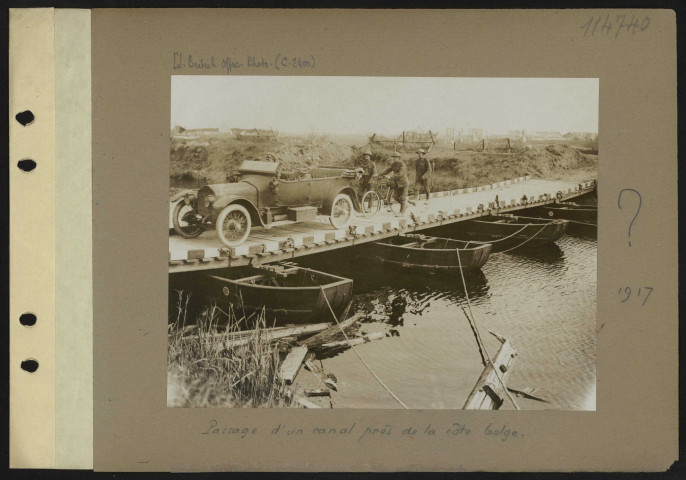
x,y
381,195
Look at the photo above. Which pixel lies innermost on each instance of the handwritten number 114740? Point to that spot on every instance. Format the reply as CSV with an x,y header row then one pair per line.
x,y
605,25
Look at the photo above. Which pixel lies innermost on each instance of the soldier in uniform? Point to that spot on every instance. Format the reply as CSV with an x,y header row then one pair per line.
x,y
399,181
424,172
369,171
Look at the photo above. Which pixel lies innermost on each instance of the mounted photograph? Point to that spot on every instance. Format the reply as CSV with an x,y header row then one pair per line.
x,y
382,242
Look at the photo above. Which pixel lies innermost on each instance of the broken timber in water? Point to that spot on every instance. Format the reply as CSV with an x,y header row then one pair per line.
x,y
488,393
330,333
236,339
355,341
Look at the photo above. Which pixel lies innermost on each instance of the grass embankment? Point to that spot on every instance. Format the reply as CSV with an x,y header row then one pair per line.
x,y
202,371
210,159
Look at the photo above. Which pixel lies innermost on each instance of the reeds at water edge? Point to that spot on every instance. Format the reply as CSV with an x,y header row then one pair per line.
x,y
205,370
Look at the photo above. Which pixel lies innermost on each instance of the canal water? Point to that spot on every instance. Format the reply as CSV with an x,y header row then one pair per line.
x,y
543,300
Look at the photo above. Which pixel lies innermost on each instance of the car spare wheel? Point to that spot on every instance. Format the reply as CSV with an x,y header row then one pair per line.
x,y
185,222
233,225
341,211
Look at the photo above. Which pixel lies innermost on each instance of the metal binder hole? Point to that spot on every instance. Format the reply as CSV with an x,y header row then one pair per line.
x,y
25,118
27,164
29,365
27,319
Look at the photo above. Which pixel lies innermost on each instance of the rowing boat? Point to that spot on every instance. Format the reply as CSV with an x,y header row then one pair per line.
x,y
585,214
430,253
507,232
288,293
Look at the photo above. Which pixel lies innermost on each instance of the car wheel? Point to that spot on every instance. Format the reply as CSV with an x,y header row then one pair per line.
x,y
180,217
341,211
233,225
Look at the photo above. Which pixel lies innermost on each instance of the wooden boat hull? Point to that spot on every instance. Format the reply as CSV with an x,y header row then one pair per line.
x,y
508,232
301,299
427,253
585,214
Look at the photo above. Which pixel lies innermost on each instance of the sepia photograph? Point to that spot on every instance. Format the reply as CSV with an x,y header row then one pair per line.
x,y
382,242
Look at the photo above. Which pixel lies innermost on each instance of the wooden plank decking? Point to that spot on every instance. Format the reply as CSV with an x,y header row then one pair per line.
x,y
281,243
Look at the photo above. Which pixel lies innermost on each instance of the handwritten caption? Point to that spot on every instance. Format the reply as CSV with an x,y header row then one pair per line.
x,y
226,64
617,24
501,432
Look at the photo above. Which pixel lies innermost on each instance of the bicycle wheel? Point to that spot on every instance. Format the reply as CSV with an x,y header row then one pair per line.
x,y
371,203
391,205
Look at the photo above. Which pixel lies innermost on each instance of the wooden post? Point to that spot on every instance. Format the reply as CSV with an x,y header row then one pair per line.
x,y
488,393
403,138
483,144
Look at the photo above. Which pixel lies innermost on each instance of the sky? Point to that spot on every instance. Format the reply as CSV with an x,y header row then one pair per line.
x,y
384,105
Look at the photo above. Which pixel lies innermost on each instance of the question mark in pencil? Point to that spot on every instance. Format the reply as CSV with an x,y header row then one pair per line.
x,y
640,202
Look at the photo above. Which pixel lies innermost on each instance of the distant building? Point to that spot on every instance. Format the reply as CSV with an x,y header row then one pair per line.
x,y
581,136
468,135
201,131
192,132
255,133
541,135
516,134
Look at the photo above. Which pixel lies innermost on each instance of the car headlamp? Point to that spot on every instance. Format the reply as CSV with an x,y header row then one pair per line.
x,y
209,200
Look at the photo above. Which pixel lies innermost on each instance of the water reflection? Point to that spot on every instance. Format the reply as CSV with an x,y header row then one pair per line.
x,y
550,254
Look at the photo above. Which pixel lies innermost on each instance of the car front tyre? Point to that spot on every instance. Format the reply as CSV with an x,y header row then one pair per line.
x,y
233,225
341,211
181,226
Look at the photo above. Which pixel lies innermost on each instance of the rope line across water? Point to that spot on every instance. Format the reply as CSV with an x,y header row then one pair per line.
x,y
357,353
525,241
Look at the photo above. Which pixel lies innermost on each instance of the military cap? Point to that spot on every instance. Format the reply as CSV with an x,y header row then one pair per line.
x,y
421,150
395,154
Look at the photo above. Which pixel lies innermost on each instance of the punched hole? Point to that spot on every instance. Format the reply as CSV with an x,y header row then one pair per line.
x,y
27,319
26,165
29,365
25,118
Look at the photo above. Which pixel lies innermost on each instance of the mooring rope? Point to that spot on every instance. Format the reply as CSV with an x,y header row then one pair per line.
x,y
525,241
583,223
357,353
488,355
476,337
500,239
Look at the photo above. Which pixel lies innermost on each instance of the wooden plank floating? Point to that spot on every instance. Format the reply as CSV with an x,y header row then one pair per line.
x,y
317,392
236,339
307,404
284,243
355,341
330,333
291,365
488,393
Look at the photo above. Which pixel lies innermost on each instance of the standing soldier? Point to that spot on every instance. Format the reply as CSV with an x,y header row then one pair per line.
x,y
369,171
399,181
424,172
